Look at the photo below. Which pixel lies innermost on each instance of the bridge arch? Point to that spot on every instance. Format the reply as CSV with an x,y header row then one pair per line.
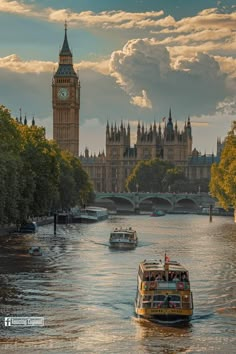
x,y
120,201
157,202
186,203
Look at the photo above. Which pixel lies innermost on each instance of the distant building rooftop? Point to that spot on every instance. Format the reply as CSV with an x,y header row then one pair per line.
x,y
203,159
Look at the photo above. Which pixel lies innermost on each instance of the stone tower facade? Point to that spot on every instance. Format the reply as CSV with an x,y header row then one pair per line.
x,y
66,101
115,166
177,146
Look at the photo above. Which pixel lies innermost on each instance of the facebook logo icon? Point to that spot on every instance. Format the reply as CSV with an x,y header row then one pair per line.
x,y
7,321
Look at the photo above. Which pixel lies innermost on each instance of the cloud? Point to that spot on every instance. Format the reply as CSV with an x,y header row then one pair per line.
x,y
215,125
211,18
105,19
227,106
141,57
144,66
206,19
227,65
101,67
210,31
141,101
16,7
199,124
14,63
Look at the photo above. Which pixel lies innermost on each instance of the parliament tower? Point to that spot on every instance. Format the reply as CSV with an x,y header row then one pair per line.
x,y
66,101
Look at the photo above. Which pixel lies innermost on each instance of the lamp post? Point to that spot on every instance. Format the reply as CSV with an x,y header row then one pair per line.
x,y
55,224
137,188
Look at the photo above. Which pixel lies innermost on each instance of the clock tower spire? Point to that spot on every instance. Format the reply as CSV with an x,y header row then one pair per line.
x,y
66,101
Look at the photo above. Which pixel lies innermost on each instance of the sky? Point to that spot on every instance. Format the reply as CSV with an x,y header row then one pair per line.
x,y
136,59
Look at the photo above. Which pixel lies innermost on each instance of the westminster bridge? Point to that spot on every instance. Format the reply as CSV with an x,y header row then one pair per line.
x,y
138,201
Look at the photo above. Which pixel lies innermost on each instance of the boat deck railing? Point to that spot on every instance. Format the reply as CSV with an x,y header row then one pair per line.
x,y
164,285
163,301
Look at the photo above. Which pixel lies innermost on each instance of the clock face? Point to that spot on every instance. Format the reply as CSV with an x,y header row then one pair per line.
x,y
63,93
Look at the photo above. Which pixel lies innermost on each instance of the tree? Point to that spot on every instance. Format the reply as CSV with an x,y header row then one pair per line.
x,y
153,176
10,167
223,174
74,185
41,170
35,175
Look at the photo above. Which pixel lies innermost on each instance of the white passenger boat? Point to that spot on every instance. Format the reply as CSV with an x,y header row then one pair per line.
x,y
125,238
163,292
93,214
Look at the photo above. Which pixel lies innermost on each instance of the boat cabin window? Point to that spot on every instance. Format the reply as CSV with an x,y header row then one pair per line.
x,y
159,297
174,276
146,301
174,301
147,298
167,301
151,276
91,212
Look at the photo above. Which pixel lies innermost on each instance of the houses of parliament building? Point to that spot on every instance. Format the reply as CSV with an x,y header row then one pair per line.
x,y
108,171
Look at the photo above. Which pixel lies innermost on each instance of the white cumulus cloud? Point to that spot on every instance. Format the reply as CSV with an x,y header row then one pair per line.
x,y
141,101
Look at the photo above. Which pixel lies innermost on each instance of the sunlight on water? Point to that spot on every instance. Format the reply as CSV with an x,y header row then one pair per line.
x,y
85,291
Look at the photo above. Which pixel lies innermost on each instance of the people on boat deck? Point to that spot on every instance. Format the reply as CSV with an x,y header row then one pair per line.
x,y
172,276
152,277
184,277
175,277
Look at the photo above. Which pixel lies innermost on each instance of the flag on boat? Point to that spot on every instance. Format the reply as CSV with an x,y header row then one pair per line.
x,y
167,259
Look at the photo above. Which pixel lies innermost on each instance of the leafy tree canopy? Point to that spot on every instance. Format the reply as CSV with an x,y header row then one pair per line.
x,y
223,174
153,176
36,177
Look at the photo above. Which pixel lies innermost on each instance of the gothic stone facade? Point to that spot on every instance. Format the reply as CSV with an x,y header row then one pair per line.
x,y
66,102
109,172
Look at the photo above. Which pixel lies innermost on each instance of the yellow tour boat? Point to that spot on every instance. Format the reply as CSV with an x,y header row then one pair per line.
x,y
163,292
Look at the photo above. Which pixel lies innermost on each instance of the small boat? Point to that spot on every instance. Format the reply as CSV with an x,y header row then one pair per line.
x,y
29,228
35,251
158,213
123,238
92,214
163,292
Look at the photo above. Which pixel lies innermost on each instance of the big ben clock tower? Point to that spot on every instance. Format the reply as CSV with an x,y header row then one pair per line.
x,y
66,101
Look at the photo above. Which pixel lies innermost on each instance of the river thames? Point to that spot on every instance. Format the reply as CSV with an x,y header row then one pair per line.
x,y
85,291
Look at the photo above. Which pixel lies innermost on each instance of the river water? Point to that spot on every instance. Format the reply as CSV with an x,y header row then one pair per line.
x,y
85,291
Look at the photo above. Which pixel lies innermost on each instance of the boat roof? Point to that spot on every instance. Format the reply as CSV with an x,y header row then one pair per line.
x,y
155,265
124,229
95,208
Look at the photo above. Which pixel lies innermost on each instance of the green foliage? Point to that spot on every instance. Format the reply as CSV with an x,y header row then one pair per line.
x,y
36,177
161,176
153,176
10,165
223,174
